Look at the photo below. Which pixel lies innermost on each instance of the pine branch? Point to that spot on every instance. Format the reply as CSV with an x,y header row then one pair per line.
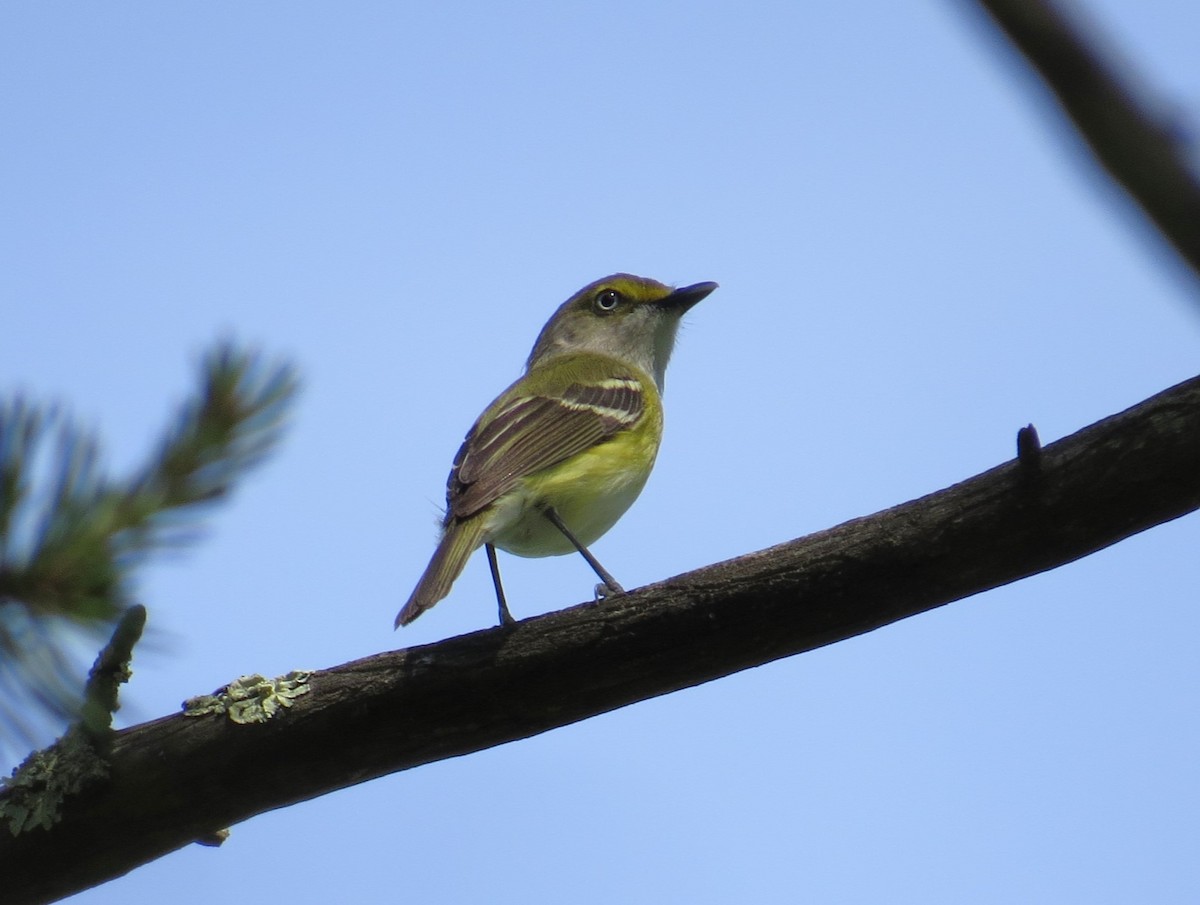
x,y
183,778
70,546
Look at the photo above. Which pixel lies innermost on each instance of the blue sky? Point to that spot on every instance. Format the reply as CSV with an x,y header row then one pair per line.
x,y
915,260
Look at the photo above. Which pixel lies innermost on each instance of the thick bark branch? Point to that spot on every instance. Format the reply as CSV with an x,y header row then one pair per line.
x,y
1145,155
178,779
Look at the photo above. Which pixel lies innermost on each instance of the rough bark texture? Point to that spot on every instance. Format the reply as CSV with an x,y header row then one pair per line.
x,y
178,779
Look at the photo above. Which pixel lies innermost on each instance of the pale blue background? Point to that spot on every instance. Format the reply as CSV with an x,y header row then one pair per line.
x,y
915,260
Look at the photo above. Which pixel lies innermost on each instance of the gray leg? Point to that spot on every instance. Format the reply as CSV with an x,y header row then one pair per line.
x,y
505,616
609,581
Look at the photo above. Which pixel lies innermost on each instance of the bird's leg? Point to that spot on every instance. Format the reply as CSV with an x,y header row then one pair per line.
x,y
609,582
505,616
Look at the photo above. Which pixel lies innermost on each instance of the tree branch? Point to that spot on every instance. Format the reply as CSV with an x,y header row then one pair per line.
x,y
179,779
1140,151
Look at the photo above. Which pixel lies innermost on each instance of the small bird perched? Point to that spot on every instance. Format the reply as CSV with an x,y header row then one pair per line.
x,y
560,455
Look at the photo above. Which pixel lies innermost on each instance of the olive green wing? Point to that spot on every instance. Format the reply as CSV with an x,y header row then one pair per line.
x,y
532,432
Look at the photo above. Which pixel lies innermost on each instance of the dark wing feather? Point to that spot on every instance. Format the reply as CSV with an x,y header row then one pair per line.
x,y
535,432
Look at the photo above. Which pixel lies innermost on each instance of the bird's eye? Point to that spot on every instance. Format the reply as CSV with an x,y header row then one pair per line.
x,y
606,302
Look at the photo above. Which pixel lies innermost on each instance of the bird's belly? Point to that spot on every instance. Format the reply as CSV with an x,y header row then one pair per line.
x,y
589,492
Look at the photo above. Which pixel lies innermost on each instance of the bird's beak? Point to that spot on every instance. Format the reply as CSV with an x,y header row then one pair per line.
x,y
683,298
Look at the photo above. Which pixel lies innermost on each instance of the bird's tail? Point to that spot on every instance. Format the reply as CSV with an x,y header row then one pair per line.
x,y
455,548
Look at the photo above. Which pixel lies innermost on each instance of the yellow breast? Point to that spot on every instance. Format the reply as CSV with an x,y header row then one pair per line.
x,y
590,491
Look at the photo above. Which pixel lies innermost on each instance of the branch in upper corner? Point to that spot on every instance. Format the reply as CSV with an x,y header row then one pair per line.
x,y
1140,150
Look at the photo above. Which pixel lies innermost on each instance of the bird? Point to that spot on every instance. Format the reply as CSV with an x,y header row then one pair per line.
x,y
558,457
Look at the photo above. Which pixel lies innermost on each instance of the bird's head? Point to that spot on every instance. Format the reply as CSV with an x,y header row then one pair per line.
x,y
632,319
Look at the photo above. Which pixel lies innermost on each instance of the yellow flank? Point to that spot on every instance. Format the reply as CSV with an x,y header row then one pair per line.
x,y
590,491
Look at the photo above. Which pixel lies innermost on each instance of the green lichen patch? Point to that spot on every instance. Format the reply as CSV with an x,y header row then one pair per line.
x,y
251,699
34,794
